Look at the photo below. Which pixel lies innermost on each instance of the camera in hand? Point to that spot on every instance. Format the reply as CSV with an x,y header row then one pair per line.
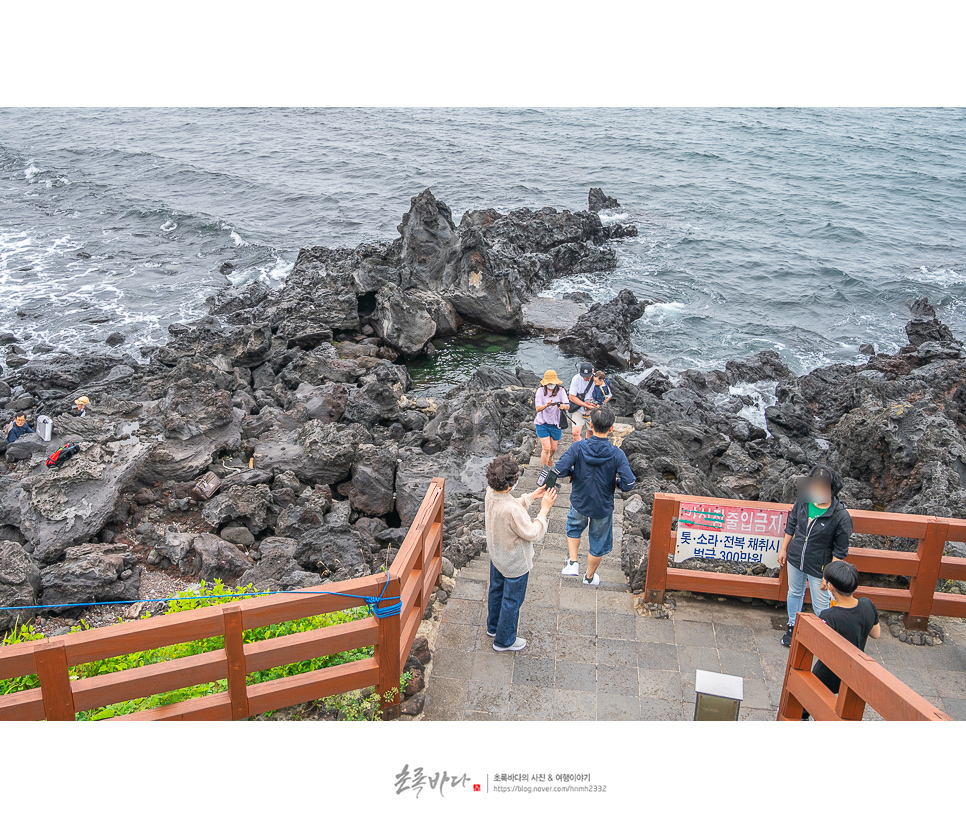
x,y
547,477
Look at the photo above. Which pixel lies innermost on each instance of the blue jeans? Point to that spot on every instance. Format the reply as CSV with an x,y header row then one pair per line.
x,y
503,606
601,533
796,592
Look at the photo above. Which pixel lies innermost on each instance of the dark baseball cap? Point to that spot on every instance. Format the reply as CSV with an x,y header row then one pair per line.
x,y
586,369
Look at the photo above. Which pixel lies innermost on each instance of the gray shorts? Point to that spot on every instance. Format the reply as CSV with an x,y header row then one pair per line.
x,y
578,419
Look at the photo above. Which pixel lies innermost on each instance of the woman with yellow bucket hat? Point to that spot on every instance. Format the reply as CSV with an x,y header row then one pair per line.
x,y
550,398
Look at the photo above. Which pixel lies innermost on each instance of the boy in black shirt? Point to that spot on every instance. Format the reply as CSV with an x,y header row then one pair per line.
x,y
855,619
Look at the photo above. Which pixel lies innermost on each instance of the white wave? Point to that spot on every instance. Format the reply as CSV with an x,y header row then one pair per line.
x,y
31,170
664,311
169,226
939,276
608,218
762,394
237,239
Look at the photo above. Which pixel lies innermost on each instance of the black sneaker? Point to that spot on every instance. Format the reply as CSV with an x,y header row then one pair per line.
x,y
787,636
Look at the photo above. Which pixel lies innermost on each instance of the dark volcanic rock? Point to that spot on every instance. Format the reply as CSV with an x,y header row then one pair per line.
x,y
598,200
276,569
371,490
249,505
91,573
19,584
925,327
603,333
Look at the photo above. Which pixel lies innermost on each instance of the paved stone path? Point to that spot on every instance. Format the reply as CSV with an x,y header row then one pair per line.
x,y
590,656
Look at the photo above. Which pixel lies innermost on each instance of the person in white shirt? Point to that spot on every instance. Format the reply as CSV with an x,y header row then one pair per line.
x,y
581,394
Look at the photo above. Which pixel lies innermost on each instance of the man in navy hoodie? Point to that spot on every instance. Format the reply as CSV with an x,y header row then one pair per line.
x,y
597,468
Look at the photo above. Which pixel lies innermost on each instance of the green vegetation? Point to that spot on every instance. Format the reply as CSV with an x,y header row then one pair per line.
x,y
348,707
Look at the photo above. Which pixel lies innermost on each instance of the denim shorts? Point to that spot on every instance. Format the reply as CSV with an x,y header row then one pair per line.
x,y
546,430
601,531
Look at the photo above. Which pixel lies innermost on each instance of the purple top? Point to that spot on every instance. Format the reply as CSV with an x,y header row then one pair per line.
x,y
550,416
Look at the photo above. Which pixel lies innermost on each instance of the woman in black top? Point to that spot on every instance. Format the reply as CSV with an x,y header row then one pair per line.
x,y
817,532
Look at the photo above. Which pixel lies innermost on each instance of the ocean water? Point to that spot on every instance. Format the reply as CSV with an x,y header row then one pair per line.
x,y
804,231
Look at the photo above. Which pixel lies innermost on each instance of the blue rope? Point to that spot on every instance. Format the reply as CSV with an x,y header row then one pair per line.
x,y
371,602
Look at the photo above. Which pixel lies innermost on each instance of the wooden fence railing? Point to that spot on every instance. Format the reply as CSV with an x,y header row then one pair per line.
x,y
924,567
411,578
864,681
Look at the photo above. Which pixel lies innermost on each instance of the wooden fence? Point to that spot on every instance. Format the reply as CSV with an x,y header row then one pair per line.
x,y
863,681
924,567
411,578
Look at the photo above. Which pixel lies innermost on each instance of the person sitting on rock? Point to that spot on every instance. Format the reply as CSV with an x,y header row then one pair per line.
x,y
817,533
601,393
82,403
550,398
18,428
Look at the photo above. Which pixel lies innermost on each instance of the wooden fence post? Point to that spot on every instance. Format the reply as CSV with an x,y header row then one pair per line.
x,y
237,668
387,651
658,548
849,706
923,584
55,682
799,657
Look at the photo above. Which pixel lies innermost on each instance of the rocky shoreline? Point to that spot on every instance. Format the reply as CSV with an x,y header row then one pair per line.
x,y
298,400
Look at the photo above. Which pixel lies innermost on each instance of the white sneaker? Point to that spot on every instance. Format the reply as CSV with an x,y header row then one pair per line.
x,y
491,634
518,644
594,581
571,569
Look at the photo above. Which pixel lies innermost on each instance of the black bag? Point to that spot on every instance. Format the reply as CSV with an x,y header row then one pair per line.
x,y
564,422
64,453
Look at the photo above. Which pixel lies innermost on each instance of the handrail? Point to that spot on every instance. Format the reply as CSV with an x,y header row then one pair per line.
x,y
864,681
414,573
924,567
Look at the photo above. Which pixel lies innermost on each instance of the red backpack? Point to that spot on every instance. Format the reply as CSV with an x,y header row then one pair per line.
x,y
65,452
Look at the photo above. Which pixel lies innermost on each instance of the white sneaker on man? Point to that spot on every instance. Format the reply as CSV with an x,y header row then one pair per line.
x,y
594,581
571,569
518,644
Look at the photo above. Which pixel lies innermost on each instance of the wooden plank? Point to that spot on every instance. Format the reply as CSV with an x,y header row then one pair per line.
x,y
142,635
215,707
387,654
812,694
410,593
19,661
116,687
888,562
283,608
408,629
311,686
956,531
923,586
22,706
886,599
949,605
725,584
952,567
889,524
666,507
58,699
321,642
235,656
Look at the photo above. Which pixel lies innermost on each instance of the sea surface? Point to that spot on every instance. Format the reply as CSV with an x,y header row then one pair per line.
x,y
804,231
